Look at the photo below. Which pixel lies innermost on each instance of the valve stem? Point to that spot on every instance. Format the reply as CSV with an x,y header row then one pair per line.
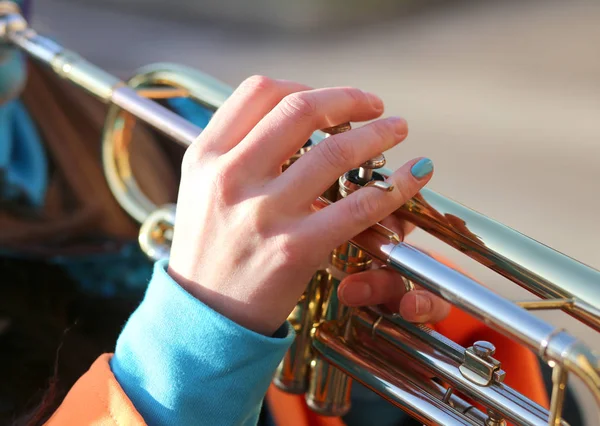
x,y
365,171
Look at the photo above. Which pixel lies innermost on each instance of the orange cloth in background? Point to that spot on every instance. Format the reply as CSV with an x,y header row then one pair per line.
x,y
522,372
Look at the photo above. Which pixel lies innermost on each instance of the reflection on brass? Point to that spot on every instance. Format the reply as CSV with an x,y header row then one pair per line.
x,y
384,186
340,128
535,305
292,373
163,92
412,366
559,380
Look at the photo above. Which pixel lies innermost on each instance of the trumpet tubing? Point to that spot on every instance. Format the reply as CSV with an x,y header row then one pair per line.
x,y
415,368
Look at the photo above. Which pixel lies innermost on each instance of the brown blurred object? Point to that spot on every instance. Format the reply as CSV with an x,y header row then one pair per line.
x,y
79,207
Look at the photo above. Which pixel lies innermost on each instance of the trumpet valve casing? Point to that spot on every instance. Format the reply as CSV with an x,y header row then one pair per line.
x,y
329,388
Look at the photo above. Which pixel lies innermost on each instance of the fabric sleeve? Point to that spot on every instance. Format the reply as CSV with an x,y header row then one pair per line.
x,y
96,399
182,363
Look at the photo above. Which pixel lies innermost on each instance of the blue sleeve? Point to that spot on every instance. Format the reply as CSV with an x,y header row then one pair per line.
x,y
181,363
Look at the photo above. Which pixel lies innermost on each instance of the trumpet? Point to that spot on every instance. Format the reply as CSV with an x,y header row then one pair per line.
x,y
336,345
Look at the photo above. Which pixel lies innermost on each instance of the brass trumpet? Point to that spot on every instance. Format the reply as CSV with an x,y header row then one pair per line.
x,y
334,344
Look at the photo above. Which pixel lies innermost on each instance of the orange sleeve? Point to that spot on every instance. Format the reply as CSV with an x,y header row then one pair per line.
x,y
96,399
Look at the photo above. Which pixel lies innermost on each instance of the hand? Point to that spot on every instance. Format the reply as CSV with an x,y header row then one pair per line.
x,y
384,287
246,241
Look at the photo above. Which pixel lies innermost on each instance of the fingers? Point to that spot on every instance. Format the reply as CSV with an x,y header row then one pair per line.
x,y
372,287
316,170
348,217
248,104
400,226
422,306
382,286
290,124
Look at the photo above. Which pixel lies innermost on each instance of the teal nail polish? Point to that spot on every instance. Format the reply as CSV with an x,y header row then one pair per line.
x,y
422,168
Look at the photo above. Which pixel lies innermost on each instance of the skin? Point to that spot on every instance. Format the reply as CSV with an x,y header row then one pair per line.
x,y
246,240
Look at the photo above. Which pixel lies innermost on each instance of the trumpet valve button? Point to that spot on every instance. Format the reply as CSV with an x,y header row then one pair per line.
x,y
374,163
365,171
484,349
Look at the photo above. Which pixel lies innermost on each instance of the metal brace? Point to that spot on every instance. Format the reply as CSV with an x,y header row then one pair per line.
x,y
479,367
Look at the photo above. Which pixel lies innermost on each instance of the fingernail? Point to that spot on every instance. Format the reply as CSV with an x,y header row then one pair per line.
x,y
375,100
422,305
422,168
356,293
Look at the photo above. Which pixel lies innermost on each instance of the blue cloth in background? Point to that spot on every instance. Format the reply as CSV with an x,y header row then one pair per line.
x,y
12,64
122,273
13,73
191,111
23,162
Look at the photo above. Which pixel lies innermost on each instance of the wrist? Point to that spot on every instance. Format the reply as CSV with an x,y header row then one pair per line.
x,y
245,313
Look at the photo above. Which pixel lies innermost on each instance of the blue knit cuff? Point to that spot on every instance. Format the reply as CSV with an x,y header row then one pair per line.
x,y
180,362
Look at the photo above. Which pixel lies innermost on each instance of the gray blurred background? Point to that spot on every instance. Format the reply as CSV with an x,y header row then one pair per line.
x,y
504,97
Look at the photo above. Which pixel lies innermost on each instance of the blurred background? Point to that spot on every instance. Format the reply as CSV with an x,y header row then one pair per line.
x,y
503,96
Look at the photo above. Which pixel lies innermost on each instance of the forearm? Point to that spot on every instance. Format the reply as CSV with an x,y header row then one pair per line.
x,y
179,361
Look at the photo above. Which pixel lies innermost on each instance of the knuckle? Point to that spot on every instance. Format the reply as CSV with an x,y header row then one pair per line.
x,y
191,158
299,106
287,248
197,154
382,129
365,209
405,191
259,217
223,182
258,83
356,96
337,154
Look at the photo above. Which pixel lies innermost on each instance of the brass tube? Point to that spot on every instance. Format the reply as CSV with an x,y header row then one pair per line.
x,y
543,271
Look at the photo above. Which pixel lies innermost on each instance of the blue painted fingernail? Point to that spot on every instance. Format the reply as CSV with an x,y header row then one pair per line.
x,y
422,168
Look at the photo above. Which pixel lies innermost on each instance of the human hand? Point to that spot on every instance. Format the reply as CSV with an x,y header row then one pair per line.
x,y
246,240
385,287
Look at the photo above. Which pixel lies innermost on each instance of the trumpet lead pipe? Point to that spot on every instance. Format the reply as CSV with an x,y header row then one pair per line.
x,y
108,88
